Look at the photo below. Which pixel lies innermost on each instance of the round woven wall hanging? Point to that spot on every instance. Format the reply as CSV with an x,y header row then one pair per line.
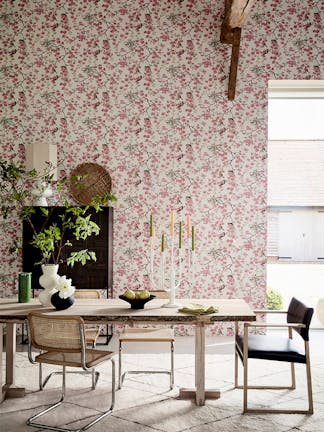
x,y
89,180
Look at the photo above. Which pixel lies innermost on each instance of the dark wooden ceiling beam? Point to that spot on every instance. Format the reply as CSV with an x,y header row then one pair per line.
x,y
234,63
235,15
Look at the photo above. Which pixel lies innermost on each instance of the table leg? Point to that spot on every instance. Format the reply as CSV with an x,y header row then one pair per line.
x,y
1,352
11,354
200,364
199,392
7,388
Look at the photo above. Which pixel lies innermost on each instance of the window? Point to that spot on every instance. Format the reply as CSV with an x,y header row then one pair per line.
x,y
296,170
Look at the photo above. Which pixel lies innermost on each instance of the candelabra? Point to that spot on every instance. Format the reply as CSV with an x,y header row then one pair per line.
x,y
174,262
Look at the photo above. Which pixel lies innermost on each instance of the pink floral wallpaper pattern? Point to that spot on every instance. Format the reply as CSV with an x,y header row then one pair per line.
x,y
140,87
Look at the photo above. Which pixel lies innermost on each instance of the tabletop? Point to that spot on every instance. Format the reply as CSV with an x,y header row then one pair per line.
x,y
119,311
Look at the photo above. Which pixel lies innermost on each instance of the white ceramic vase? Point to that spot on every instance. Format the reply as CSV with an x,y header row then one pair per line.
x,y
320,310
48,281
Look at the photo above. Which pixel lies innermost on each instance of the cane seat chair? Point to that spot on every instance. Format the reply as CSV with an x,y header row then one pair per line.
x,y
61,340
151,335
91,334
277,347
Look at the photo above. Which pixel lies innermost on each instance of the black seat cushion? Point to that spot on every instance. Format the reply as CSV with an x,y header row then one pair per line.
x,y
268,347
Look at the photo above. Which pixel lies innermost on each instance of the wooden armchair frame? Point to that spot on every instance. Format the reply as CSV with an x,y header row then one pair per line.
x,y
242,352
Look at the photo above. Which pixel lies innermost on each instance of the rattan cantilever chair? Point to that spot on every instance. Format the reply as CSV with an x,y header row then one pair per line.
x,y
91,334
278,348
143,335
62,342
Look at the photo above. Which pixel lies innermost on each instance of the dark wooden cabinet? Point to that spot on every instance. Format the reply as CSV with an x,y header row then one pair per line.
x,y
95,274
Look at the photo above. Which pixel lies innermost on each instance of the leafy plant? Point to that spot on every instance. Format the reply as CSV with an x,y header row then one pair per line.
x,y
51,237
274,299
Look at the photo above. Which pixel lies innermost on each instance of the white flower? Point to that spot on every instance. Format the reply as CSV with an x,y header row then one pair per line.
x,y
64,287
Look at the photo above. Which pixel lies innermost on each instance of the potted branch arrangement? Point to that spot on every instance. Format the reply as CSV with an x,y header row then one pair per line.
x,y
53,238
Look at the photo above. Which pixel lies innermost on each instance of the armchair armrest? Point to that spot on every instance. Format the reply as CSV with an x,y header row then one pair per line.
x,y
270,311
284,325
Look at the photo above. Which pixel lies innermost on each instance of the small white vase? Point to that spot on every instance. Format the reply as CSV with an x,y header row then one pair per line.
x,y
320,310
48,281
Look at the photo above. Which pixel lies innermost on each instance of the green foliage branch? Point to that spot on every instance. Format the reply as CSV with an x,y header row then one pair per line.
x,y
50,239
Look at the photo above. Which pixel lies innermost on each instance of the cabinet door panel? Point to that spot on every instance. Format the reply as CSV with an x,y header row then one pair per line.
x,y
93,275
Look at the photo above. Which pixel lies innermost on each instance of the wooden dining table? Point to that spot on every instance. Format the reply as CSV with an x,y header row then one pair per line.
x,y
117,311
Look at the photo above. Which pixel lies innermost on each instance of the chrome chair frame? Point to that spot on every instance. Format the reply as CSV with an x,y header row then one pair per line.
x,y
83,294
31,420
152,339
121,376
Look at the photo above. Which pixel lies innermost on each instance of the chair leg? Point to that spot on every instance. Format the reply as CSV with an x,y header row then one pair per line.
x,y
245,369
172,366
309,380
236,328
109,411
236,370
292,387
292,365
31,420
120,366
293,376
121,376
94,376
42,384
40,376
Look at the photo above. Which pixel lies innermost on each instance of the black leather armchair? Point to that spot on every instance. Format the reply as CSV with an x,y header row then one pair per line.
x,y
279,348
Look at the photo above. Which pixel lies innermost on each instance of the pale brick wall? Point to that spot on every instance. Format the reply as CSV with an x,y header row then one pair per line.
x,y
296,173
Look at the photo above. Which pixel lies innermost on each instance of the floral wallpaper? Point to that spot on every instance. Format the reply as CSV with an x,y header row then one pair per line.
x,y
140,87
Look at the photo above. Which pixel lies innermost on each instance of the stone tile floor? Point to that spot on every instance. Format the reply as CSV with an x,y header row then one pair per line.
x,y
145,403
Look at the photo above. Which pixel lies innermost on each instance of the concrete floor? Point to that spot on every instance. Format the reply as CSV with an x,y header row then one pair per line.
x,y
145,403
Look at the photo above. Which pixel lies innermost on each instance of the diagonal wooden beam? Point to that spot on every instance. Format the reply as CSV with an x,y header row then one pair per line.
x,y
226,35
236,12
234,63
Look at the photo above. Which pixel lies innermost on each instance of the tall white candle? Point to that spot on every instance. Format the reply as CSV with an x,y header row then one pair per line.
x,y
188,226
172,224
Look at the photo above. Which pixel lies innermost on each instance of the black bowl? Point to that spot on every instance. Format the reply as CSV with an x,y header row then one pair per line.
x,y
137,303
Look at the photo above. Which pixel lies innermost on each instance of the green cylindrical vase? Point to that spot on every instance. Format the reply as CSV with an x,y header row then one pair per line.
x,y
24,287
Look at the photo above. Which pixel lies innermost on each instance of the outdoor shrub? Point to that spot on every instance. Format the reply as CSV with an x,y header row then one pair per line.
x,y
274,299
